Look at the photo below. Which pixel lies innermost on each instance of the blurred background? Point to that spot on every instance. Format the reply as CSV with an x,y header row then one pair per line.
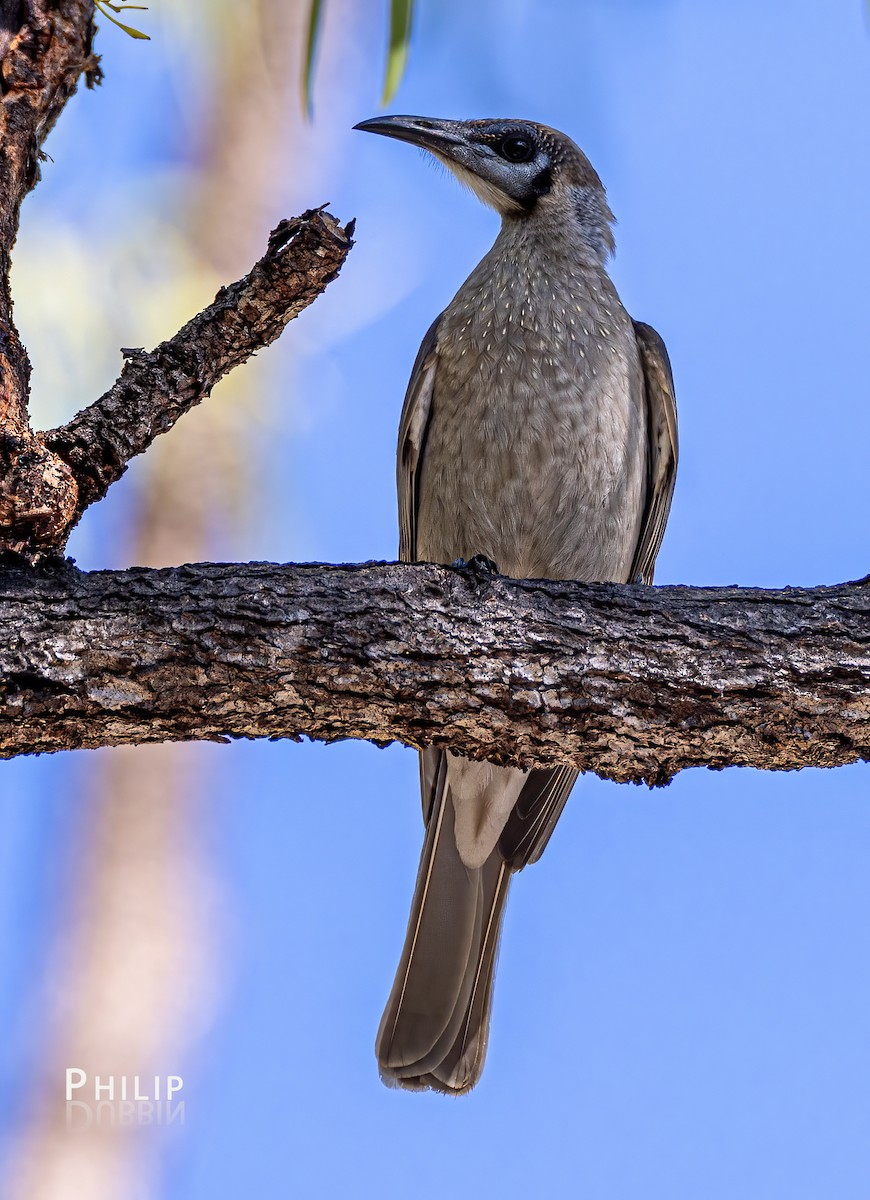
x,y
683,1001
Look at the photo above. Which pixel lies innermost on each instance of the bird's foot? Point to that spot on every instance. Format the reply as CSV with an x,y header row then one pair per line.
x,y
479,564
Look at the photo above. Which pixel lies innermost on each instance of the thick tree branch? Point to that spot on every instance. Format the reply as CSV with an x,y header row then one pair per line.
x,y
632,682
156,388
45,45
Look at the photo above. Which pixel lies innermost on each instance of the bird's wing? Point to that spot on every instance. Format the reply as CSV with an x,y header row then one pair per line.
x,y
538,808
546,791
661,409
413,426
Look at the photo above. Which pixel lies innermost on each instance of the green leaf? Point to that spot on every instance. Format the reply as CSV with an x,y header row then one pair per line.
x,y
128,29
401,18
314,16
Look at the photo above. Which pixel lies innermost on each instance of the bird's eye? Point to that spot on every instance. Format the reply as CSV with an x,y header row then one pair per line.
x,y
517,148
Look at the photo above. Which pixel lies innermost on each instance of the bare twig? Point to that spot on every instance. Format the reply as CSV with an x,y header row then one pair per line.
x,y
155,388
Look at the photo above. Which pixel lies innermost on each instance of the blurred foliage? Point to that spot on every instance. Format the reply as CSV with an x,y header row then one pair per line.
x,y
104,5
398,45
314,16
401,15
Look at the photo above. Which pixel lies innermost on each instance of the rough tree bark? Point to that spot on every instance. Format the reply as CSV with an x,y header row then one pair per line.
x,y
44,48
632,682
635,683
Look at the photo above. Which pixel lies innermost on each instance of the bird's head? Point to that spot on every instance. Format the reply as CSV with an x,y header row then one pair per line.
x,y
521,169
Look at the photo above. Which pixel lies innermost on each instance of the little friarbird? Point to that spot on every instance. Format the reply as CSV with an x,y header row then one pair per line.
x,y
539,430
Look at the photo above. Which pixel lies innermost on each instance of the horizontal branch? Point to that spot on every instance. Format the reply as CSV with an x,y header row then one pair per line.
x,y
157,387
631,682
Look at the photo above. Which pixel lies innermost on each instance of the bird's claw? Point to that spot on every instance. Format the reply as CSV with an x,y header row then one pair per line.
x,y
478,564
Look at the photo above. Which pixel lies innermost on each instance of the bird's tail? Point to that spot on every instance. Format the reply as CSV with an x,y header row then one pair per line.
x,y
434,1031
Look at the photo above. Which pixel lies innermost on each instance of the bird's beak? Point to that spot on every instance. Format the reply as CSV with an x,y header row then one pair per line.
x,y
441,137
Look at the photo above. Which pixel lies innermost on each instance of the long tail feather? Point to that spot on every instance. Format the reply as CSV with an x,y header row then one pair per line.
x,y
435,1026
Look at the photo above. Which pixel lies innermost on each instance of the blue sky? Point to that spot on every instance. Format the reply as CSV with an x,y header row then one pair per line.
x,y
683,993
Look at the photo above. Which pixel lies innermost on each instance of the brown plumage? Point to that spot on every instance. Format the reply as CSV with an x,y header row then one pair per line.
x,y
539,430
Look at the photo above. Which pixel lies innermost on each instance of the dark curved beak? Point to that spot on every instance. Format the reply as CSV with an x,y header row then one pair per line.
x,y
429,133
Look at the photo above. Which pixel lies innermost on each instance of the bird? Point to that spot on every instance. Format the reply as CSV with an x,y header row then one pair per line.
x,y
538,432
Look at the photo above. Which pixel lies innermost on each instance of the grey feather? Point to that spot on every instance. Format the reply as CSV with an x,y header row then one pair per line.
x,y
413,424
663,450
